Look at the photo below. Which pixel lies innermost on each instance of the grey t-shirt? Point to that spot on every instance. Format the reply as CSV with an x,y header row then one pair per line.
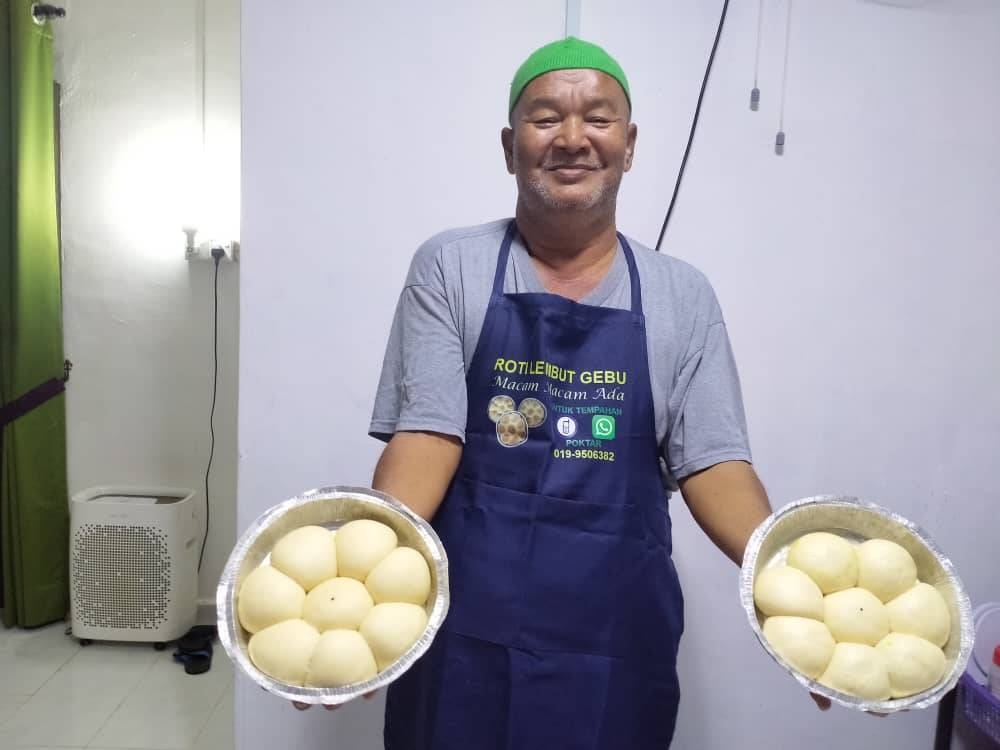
x,y
696,391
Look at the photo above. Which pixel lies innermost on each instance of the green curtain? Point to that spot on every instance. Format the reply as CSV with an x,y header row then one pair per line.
x,y
34,507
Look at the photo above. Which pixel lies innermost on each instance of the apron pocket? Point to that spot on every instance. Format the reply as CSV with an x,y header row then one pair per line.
x,y
550,574
583,576
487,575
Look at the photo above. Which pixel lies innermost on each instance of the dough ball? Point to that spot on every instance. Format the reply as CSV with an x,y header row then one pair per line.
x,y
858,670
402,576
391,629
361,545
266,597
283,651
787,591
805,644
826,558
856,616
307,554
885,568
340,603
341,657
914,664
921,611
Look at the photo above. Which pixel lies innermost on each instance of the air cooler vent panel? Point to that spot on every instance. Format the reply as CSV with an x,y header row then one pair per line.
x,y
123,576
133,563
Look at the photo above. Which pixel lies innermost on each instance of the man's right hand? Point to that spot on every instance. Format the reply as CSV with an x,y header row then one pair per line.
x,y
822,702
327,706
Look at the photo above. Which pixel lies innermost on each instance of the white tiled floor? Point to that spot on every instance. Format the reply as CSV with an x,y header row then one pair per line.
x,y
56,694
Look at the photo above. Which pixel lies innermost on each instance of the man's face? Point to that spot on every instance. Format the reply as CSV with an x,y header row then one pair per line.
x,y
570,140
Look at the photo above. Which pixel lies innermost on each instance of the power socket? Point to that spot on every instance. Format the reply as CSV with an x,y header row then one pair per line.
x,y
203,251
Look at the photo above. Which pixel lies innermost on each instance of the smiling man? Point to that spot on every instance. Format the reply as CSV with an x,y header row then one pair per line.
x,y
547,384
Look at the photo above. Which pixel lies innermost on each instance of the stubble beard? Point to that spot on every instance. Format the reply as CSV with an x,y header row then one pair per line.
x,y
537,193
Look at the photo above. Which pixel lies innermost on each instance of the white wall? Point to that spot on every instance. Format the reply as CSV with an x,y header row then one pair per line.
x,y
856,272
138,316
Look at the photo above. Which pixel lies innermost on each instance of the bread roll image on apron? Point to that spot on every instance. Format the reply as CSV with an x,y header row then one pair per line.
x,y
533,411
500,405
512,429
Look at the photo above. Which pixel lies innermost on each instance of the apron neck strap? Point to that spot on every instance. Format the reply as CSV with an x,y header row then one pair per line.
x,y
501,272
508,238
633,274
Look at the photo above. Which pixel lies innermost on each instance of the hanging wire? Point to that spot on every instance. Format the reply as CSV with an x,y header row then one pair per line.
x,y
755,92
779,139
211,414
694,123
200,33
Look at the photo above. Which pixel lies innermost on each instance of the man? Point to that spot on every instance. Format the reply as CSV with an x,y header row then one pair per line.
x,y
546,383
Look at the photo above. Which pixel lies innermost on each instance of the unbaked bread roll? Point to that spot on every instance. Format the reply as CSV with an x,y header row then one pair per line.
x,y
340,603
826,558
914,664
885,568
283,651
858,670
266,597
391,629
401,576
783,590
856,616
804,643
921,611
361,545
307,554
341,657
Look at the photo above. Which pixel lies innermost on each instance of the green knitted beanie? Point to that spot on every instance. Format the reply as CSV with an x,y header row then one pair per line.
x,y
562,55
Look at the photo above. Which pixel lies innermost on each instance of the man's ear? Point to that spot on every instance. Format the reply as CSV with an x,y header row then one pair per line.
x,y
507,141
633,133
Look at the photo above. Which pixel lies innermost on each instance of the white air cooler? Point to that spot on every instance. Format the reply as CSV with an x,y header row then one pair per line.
x,y
133,563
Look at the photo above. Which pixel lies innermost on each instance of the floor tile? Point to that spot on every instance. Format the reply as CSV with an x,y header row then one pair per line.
x,y
167,708
75,703
28,658
218,733
9,704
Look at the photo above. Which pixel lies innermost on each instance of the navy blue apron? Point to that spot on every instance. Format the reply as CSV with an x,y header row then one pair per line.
x,y
566,611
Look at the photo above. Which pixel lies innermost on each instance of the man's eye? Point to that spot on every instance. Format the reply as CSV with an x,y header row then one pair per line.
x,y
598,121
546,121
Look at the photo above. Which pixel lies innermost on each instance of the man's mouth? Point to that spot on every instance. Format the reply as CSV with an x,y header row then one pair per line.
x,y
571,173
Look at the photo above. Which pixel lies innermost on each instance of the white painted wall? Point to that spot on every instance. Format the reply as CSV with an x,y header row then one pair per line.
x,y
138,316
856,272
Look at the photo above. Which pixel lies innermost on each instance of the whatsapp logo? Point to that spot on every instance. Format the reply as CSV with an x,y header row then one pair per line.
x,y
603,427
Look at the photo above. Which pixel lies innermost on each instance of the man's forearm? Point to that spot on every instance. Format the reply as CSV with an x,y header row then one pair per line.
x,y
416,468
728,502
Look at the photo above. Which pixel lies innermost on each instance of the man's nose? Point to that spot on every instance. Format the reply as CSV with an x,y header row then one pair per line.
x,y
572,136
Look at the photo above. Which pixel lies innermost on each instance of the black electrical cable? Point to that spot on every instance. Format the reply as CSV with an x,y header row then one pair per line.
x,y
694,123
217,255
